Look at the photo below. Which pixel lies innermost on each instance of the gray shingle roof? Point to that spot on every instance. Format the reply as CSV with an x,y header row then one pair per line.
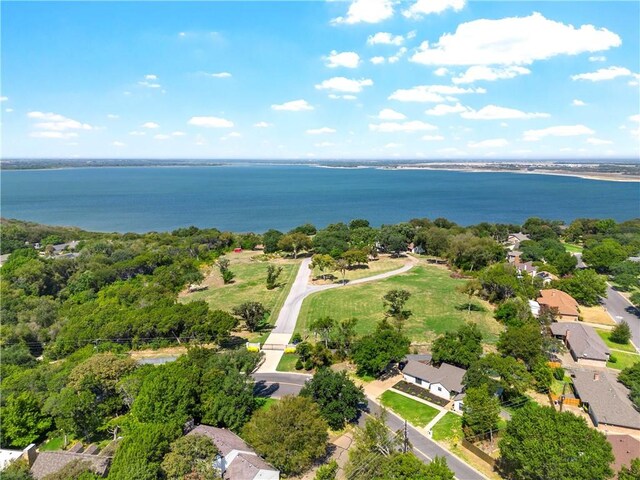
x,y
47,463
583,340
607,398
224,439
447,375
418,357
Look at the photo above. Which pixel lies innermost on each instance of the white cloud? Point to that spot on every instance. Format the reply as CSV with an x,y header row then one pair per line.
x,y
444,109
342,59
119,144
111,116
234,135
376,60
161,136
557,131
635,118
150,125
342,84
210,122
385,38
578,103
4,99
433,138
56,123
441,72
366,11
399,54
431,93
178,133
482,72
598,141
46,134
491,143
218,75
137,133
493,112
150,77
333,96
320,131
149,82
597,58
324,144
608,73
8,110
426,7
391,127
393,145
263,125
293,106
390,114
513,41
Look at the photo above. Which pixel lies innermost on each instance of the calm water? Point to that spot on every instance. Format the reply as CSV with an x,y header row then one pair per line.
x,y
259,197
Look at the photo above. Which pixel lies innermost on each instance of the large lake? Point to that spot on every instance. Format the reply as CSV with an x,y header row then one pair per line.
x,y
259,197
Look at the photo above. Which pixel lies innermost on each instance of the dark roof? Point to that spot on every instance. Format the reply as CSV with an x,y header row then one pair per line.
x,y
607,398
625,448
225,440
583,340
422,357
246,466
47,463
446,375
521,237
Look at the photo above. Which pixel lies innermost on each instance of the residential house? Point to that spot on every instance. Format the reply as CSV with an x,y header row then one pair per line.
x,y
444,381
47,463
534,307
563,304
546,277
585,345
236,460
513,256
515,239
606,399
625,449
413,248
526,267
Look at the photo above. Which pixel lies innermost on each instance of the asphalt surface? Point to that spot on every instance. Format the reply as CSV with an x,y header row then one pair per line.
x,y
277,385
620,309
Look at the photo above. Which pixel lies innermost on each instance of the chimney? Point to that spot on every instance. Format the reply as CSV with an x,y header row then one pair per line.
x,y
567,332
596,376
30,454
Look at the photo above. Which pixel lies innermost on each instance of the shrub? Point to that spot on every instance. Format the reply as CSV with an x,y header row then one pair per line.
x,y
299,365
296,338
613,358
558,373
621,333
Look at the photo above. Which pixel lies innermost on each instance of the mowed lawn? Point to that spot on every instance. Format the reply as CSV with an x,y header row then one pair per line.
x,y
436,304
604,334
449,428
414,412
623,360
382,265
249,284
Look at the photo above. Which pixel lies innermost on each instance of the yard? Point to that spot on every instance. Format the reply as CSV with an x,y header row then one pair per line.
x,y
287,363
436,304
596,314
414,412
604,334
449,428
572,248
248,284
623,360
383,264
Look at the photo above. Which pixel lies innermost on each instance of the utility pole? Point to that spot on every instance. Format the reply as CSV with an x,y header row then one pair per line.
x,y
564,388
405,442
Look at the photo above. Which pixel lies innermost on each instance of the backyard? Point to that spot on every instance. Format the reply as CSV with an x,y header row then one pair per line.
x,y
436,303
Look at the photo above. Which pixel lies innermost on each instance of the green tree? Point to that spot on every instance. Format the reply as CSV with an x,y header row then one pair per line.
x,y
290,435
327,472
461,348
324,263
605,255
500,282
273,273
481,412
499,372
223,265
472,253
406,466
523,343
295,242
74,413
395,301
22,420
373,352
322,327
342,336
337,396
355,257
630,377
621,333
513,312
635,299
586,286
540,443
271,239
631,472
74,470
253,314
227,398
190,456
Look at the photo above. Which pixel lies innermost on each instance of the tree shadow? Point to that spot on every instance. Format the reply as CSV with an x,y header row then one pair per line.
x,y
233,342
261,389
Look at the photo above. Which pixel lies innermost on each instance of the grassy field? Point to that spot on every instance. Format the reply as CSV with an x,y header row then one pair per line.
x,y
436,304
624,360
572,248
248,284
449,428
383,264
414,412
604,334
288,363
55,443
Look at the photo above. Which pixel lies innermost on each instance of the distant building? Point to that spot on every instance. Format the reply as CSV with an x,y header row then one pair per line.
x,y
625,449
563,304
236,460
526,267
585,345
535,308
47,463
513,256
444,381
606,399
515,239
546,277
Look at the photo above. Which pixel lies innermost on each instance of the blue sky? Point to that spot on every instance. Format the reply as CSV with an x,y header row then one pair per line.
x,y
425,79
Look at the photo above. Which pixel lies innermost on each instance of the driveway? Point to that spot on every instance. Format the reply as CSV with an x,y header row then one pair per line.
x,y
619,308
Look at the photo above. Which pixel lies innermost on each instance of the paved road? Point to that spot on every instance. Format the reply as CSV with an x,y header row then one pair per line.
x,y
277,385
620,309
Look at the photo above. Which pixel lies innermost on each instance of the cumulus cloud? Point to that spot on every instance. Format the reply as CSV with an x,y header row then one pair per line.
x,y
320,131
399,54
342,59
597,58
210,122
490,143
53,122
366,11
432,138
217,75
440,72
150,125
445,109
119,144
557,131
150,81
489,74
431,93
333,96
293,106
513,41
390,114
608,73
4,99
342,84
427,7
578,103
493,112
598,141
263,125
376,60
385,38
393,127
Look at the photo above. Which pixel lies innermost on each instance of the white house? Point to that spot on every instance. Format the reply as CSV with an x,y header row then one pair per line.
x,y
535,308
444,381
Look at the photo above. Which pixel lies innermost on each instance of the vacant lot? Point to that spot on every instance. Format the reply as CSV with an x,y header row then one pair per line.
x,y
248,284
436,304
416,413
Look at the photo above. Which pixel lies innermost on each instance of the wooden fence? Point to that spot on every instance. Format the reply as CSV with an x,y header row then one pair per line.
x,y
566,400
554,364
481,454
